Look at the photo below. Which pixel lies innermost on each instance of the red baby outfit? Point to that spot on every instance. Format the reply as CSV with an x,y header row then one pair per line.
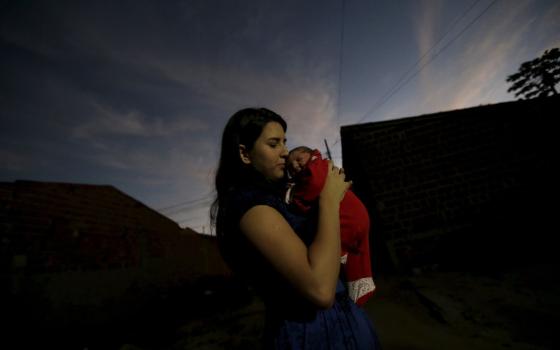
x,y
354,226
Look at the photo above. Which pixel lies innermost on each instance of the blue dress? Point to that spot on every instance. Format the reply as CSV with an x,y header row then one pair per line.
x,y
292,322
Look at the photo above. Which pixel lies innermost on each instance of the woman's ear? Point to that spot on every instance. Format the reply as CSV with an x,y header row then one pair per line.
x,y
244,154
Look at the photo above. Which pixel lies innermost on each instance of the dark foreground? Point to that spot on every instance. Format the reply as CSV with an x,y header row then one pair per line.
x,y
430,309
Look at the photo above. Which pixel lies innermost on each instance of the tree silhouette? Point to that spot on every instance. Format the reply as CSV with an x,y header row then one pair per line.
x,y
537,77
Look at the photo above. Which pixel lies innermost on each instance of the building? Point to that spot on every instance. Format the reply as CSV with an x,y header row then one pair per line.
x,y
69,250
470,188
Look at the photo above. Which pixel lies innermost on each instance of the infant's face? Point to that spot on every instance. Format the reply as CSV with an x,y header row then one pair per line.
x,y
297,161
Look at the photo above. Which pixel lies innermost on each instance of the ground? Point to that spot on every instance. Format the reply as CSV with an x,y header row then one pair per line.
x,y
428,309
453,310
424,309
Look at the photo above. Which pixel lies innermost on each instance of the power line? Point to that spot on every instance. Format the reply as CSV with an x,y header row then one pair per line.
x,y
197,221
397,87
205,197
429,61
192,218
340,62
192,207
340,66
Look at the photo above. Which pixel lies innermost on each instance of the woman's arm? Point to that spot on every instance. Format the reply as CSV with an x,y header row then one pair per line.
x,y
312,270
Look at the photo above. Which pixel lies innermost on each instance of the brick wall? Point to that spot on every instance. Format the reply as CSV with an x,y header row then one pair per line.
x,y
455,187
67,247
53,227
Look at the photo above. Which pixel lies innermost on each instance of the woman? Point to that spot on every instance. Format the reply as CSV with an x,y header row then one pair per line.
x,y
293,261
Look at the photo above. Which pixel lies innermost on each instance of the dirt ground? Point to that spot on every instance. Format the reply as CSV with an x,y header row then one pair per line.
x,y
436,310
431,309
426,309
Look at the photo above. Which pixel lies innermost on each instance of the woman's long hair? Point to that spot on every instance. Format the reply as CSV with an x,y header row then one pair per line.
x,y
243,128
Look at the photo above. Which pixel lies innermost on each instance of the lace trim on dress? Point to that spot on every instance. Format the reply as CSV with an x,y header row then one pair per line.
x,y
289,193
361,287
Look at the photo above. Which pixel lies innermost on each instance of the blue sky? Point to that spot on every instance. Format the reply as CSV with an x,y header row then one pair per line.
x,y
135,94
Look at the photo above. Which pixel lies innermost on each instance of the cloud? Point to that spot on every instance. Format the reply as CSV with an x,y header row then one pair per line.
x,y
427,34
108,121
471,69
147,99
311,116
147,66
302,89
502,46
165,163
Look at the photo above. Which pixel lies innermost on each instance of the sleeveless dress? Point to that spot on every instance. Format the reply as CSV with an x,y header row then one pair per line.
x,y
292,322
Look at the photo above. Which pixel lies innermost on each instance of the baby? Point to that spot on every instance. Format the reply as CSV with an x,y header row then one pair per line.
x,y
308,171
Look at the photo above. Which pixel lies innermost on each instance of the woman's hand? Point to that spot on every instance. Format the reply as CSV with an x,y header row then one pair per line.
x,y
335,187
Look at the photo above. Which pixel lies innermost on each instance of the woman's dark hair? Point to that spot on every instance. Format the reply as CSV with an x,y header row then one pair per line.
x,y
243,128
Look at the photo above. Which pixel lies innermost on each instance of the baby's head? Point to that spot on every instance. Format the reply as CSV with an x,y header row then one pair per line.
x,y
298,159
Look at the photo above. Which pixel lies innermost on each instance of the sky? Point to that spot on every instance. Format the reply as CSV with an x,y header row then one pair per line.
x,y
135,94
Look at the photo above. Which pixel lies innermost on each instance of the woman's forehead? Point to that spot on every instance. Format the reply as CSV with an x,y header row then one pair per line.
x,y
273,130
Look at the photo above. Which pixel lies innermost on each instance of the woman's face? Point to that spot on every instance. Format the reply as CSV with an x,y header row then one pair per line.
x,y
269,152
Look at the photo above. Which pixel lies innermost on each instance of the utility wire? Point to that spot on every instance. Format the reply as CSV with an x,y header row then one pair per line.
x,y
192,218
429,61
192,207
340,62
205,197
340,66
384,99
397,87
196,220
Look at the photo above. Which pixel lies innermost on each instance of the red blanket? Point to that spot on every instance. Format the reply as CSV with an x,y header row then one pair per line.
x,y
354,226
